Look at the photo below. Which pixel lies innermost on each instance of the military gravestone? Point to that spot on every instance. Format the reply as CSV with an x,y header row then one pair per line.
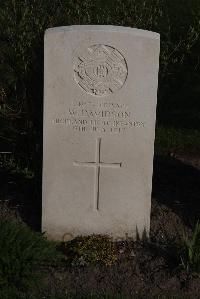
x,y
100,91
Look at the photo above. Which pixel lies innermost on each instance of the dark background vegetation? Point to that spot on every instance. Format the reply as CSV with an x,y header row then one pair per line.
x,y
22,27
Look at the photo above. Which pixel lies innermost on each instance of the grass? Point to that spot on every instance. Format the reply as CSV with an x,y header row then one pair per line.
x,y
190,258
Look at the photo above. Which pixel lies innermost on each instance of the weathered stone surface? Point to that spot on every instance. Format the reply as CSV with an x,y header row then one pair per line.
x,y
100,91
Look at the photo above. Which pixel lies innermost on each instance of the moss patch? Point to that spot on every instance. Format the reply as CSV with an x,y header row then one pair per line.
x,y
91,249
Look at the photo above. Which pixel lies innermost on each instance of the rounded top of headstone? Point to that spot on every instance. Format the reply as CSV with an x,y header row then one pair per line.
x,y
107,28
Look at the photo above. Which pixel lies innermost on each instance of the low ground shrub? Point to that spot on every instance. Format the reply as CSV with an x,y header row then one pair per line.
x,y
22,251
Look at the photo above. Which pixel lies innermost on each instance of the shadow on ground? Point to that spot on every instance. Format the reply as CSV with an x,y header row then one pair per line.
x,y
177,186
24,195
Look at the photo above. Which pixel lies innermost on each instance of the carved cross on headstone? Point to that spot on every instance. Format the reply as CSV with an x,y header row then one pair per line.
x,y
97,164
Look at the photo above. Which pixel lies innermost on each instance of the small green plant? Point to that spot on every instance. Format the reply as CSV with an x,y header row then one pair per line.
x,y
191,253
22,251
91,249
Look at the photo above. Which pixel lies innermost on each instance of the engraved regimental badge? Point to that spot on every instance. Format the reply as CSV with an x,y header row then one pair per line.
x,y
100,70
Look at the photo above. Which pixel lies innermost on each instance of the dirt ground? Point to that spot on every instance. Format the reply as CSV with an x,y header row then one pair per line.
x,y
145,268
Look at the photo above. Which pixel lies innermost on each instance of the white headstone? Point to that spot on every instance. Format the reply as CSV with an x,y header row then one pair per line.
x,y
100,92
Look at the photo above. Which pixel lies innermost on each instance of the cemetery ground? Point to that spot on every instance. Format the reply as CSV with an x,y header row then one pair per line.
x,y
166,265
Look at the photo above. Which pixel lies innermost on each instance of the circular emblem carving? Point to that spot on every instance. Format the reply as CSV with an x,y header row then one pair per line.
x,y
100,70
